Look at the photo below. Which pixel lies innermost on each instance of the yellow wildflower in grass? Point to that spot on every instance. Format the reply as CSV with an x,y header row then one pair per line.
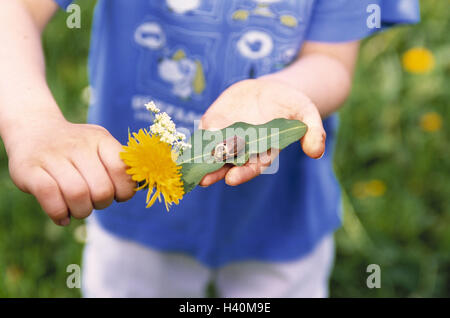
x,y
372,188
13,274
150,163
418,60
375,188
359,190
431,122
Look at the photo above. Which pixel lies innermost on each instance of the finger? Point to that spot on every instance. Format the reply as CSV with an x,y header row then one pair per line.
x,y
73,187
313,142
215,176
101,188
108,151
251,169
46,190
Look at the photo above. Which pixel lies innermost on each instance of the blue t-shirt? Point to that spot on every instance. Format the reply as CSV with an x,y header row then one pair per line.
x,y
182,54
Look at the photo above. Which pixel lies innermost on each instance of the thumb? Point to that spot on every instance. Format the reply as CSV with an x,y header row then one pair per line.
x,y
313,142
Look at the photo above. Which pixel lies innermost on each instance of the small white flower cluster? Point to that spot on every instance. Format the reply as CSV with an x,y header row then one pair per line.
x,y
152,108
164,127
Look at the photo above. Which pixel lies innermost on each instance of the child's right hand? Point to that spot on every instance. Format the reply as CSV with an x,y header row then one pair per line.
x,y
69,168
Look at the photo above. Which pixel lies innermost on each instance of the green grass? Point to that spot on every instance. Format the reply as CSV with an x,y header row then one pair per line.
x,y
406,231
404,228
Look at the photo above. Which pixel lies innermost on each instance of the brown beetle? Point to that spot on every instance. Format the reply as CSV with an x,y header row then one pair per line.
x,y
229,148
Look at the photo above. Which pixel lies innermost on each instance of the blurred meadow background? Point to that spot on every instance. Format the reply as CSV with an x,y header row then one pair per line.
x,y
392,159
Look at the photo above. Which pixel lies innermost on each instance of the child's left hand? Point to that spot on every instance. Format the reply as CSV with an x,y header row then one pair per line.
x,y
256,102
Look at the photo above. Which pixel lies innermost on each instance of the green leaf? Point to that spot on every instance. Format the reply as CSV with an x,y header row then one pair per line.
x,y
198,161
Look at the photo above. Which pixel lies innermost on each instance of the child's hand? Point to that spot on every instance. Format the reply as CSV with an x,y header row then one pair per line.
x,y
256,102
69,168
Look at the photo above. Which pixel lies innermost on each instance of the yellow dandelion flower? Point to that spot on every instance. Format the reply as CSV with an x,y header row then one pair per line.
x,y
13,274
418,60
375,188
431,122
150,163
359,190
372,188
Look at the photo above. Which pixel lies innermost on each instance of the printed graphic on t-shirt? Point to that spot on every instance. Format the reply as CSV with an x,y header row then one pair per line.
x,y
192,50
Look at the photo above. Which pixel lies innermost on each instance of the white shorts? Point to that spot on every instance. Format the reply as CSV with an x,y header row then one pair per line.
x,y
114,267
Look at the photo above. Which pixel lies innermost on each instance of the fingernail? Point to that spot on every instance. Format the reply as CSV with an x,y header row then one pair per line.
x,y
65,222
